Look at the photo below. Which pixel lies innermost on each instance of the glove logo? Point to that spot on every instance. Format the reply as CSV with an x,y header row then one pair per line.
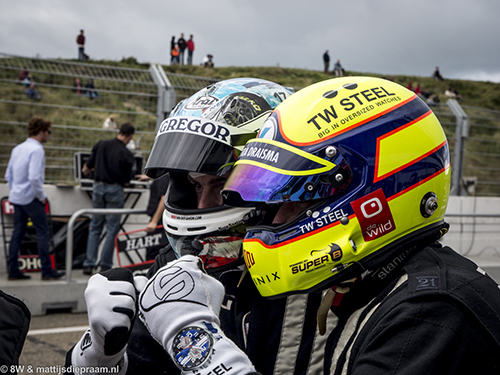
x,y
170,285
86,341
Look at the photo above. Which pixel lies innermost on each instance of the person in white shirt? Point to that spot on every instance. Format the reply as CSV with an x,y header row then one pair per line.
x,y
25,175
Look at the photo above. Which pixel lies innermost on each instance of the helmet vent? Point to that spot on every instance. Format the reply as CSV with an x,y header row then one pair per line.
x,y
350,86
353,245
196,229
330,94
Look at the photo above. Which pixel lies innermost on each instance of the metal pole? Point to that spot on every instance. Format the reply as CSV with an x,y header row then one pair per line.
x,y
71,222
166,93
461,133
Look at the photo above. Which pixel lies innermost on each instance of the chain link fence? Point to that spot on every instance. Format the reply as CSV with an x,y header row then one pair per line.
x,y
139,96
480,172
127,94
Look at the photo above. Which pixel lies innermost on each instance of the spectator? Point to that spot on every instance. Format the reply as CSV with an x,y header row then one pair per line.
x,y
417,90
410,86
112,164
338,70
181,43
77,87
25,175
80,41
25,76
90,90
433,99
326,62
449,93
109,123
175,55
190,48
452,93
437,75
207,61
172,47
32,93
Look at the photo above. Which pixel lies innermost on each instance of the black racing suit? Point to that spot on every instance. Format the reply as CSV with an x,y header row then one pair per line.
x,y
434,313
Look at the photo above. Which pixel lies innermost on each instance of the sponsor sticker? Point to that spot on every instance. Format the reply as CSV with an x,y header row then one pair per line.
x,y
201,102
374,215
269,129
7,207
197,126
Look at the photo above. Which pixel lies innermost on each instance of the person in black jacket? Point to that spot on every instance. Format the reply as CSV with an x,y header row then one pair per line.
x,y
112,164
182,44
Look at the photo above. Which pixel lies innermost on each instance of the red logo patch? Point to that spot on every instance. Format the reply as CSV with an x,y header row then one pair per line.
x,y
249,260
374,215
7,207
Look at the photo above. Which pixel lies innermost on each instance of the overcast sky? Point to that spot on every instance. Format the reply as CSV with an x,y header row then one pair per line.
x,y
380,36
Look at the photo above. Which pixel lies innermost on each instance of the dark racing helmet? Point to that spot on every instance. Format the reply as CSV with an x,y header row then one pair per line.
x,y
350,171
204,135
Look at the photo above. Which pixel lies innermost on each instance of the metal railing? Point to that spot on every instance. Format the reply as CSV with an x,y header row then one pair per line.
x,y
70,234
146,96
143,97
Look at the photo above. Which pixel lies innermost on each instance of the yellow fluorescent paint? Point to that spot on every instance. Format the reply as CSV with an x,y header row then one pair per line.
x,y
407,145
340,105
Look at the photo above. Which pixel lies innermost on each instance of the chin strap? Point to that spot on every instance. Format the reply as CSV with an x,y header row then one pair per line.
x,y
332,297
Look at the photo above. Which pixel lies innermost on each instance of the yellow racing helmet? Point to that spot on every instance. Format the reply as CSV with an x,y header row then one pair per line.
x,y
368,163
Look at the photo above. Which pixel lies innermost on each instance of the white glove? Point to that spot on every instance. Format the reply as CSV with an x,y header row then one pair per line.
x,y
180,306
111,306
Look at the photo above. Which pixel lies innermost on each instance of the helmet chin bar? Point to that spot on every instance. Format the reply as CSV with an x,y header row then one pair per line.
x,y
401,249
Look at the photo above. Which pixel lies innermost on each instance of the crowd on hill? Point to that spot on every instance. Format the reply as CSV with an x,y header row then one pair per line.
x,y
183,47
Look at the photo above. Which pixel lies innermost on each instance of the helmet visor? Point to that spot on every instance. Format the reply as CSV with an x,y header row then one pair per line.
x,y
269,171
193,144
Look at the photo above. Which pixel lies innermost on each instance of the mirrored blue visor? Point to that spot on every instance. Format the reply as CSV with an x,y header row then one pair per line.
x,y
268,171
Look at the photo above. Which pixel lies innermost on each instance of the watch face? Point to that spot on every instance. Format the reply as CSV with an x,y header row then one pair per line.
x,y
192,348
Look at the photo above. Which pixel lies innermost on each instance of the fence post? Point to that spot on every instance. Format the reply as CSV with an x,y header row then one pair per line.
x,y
166,93
461,133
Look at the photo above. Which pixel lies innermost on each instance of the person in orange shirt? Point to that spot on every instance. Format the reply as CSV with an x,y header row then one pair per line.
x,y
175,55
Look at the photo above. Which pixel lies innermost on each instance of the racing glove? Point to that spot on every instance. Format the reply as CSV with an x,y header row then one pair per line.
x,y
180,307
111,306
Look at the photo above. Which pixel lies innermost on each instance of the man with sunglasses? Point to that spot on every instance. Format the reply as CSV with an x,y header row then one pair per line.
x,y
25,175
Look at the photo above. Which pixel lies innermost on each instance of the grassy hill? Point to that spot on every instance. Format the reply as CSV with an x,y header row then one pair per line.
x,y
474,93
78,121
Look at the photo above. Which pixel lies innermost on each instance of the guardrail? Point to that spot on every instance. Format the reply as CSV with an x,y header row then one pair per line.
x,y
71,222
